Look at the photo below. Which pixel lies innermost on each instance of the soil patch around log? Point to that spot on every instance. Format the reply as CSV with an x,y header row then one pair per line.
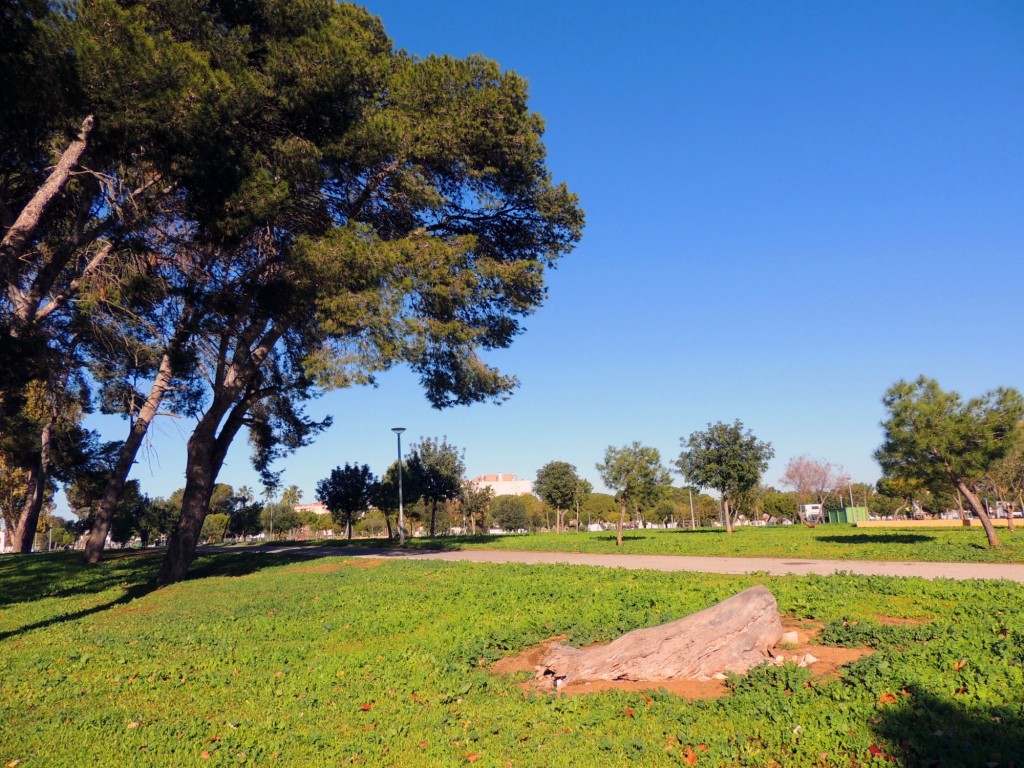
x,y
827,661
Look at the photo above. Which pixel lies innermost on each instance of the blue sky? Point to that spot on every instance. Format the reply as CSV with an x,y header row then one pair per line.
x,y
789,206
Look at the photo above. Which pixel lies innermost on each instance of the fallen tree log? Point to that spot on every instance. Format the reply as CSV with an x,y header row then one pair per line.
x,y
734,635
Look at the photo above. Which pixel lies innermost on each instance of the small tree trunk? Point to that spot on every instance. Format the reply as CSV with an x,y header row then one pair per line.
x,y
433,518
979,509
387,523
622,522
726,513
25,533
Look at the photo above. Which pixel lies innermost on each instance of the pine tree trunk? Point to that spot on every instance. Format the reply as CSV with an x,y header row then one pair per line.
x,y
25,532
979,509
622,522
17,238
126,458
200,477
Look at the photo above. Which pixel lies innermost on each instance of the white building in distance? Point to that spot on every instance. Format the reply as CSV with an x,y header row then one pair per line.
x,y
317,507
503,484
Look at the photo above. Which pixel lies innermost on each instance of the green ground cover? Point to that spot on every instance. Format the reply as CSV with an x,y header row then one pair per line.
x,y
330,661
826,542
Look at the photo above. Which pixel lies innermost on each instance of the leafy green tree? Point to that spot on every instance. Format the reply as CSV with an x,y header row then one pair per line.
x,y
636,473
346,491
277,518
384,494
600,506
933,437
727,458
215,527
475,505
510,513
781,506
416,230
437,469
1005,480
557,485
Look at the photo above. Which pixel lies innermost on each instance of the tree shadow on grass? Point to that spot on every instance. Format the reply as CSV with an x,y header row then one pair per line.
x,y
876,538
27,578
931,732
31,578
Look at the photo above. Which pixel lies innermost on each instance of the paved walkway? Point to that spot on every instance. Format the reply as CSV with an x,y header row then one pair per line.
x,y
738,565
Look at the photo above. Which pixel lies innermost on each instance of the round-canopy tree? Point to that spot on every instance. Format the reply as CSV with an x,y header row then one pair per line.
x,y
558,486
727,458
346,491
637,475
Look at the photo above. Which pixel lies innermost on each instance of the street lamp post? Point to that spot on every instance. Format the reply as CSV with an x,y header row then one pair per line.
x,y
401,510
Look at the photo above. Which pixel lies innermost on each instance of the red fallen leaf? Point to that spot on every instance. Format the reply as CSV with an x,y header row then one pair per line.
x,y
213,740
365,707
423,745
205,755
650,702
691,757
472,756
960,664
702,747
629,711
960,691
886,698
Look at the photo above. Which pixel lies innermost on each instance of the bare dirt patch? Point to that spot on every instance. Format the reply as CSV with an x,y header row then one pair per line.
x,y
827,661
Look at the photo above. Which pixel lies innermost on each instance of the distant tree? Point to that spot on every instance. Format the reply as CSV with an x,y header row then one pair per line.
x,y
934,437
636,473
726,458
475,504
781,506
600,506
510,513
814,479
291,495
245,518
584,489
345,492
437,469
1005,480
277,518
215,526
558,485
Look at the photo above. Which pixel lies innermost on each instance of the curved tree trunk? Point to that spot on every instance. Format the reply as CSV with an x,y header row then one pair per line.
x,y
17,238
126,458
979,509
206,452
734,635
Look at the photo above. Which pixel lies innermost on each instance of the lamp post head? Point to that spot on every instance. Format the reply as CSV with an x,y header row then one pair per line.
x,y
398,430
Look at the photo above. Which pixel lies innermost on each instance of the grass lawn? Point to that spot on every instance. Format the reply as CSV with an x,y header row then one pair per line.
x,y
270,661
826,542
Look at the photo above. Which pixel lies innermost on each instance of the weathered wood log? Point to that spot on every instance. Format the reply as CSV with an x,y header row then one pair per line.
x,y
734,635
